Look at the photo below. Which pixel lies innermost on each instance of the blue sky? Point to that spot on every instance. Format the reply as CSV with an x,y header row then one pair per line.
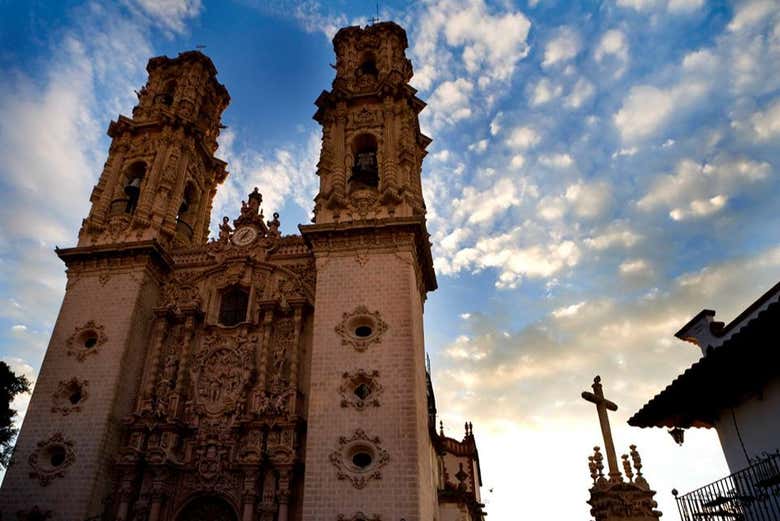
x,y
600,172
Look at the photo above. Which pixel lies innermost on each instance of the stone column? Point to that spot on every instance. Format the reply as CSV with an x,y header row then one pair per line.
x,y
298,319
153,361
249,496
283,495
262,354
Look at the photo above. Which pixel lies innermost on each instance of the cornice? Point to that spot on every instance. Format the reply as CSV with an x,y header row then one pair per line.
x,y
381,234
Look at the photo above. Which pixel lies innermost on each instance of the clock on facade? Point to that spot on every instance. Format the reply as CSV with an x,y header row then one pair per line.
x,y
244,236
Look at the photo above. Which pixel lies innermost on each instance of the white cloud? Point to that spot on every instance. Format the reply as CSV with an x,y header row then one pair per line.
x,y
169,14
751,13
613,45
564,46
477,207
696,190
450,102
699,208
523,138
495,124
568,311
634,267
517,161
556,160
612,236
684,6
544,91
515,262
589,200
647,109
582,91
766,124
489,41
551,208
479,146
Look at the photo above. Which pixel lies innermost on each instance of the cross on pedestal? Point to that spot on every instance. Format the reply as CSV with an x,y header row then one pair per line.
x,y
602,405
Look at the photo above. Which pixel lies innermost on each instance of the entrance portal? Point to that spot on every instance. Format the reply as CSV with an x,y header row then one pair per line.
x,y
207,508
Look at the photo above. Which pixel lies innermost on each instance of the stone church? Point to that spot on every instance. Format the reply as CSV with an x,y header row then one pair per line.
x,y
253,376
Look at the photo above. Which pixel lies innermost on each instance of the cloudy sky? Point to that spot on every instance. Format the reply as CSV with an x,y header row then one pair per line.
x,y
598,175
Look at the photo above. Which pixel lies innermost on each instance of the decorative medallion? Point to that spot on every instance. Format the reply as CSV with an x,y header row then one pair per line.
x,y
86,340
51,458
361,328
360,389
359,458
69,396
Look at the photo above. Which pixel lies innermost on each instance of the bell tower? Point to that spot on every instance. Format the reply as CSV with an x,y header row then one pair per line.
x,y
374,270
153,198
161,174
372,147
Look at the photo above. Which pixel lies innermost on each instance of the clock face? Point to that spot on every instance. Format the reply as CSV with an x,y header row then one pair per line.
x,y
244,236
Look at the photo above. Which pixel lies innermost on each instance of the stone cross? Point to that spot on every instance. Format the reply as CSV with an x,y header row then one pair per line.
x,y
602,405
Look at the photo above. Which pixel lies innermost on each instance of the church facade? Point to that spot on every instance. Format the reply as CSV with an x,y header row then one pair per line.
x,y
253,376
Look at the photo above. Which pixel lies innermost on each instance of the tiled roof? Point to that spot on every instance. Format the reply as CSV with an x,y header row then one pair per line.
x,y
723,378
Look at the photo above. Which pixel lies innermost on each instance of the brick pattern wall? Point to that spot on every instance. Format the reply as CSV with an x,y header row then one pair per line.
x,y
386,282
122,305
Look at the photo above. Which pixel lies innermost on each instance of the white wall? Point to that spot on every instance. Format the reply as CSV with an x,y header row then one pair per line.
x,y
758,420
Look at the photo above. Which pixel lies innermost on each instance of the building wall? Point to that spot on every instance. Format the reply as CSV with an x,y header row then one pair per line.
x,y
758,424
120,303
385,282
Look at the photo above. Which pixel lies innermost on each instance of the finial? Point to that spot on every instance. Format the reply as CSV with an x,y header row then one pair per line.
x,y
627,468
640,480
598,458
441,428
593,471
466,426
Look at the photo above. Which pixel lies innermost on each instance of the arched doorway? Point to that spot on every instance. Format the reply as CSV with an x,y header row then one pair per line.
x,y
207,508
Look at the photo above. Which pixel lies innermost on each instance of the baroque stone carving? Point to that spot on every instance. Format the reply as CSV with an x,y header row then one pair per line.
x,y
359,458
361,328
220,373
51,458
69,396
360,389
86,340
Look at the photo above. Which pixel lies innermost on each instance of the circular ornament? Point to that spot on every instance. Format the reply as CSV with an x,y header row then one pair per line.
x,y
244,235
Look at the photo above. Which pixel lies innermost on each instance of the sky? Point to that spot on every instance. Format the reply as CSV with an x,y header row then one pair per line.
x,y
599,173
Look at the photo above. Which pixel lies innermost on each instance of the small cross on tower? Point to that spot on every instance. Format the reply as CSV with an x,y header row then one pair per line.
x,y
602,405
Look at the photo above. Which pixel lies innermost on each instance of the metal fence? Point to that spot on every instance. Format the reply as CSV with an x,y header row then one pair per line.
x,y
752,494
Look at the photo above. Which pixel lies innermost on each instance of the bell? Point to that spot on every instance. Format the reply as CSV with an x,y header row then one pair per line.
x,y
185,205
133,188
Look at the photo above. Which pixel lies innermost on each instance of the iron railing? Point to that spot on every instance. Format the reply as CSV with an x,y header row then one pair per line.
x,y
752,494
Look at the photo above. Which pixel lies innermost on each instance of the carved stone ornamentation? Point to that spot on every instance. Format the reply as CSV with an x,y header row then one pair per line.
x,y
69,396
51,458
360,389
361,328
220,373
86,340
359,458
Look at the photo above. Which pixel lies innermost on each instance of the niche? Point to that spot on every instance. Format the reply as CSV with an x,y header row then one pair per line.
x,y
187,213
131,189
365,170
